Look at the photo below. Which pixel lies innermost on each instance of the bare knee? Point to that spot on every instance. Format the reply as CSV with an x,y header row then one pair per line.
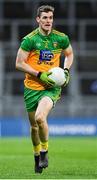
x,y
34,128
40,119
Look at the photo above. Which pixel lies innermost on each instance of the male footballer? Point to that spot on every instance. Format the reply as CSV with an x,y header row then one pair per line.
x,y
40,51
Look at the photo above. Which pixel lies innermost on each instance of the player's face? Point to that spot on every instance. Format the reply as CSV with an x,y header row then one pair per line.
x,y
45,21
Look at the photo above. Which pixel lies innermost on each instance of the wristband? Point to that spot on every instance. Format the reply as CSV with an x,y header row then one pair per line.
x,y
39,74
66,69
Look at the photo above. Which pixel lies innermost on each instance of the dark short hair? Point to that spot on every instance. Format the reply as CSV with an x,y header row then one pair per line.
x,y
44,8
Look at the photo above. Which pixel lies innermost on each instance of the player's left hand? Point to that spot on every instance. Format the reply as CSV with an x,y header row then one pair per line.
x,y
67,76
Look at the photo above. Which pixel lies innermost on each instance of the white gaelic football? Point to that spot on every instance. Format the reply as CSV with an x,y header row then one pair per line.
x,y
57,76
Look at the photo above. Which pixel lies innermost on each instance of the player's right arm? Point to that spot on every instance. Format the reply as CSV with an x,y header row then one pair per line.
x,y
21,64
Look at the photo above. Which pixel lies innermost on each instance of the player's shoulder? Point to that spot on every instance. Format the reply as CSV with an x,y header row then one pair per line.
x,y
32,34
58,33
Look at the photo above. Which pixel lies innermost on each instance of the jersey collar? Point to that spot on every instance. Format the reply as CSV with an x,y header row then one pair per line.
x,y
44,36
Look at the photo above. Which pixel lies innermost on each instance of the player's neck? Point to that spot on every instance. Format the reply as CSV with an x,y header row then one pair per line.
x,y
44,33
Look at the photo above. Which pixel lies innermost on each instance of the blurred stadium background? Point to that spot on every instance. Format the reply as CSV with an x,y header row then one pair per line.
x,y
76,112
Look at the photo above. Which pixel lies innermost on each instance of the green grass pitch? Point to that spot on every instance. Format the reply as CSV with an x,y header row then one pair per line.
x,y
69,158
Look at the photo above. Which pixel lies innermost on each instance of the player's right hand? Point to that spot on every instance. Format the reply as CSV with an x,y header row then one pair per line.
x,y
44,77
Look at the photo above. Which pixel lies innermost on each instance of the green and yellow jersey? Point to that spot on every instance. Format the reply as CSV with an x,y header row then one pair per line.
x,y
44,54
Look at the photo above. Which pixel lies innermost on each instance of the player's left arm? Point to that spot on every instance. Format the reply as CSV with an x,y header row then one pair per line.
x,y
68,52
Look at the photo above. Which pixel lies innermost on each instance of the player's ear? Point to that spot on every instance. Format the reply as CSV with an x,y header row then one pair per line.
x,y
37,19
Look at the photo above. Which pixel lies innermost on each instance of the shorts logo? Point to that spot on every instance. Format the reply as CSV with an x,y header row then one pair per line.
x,y
45,55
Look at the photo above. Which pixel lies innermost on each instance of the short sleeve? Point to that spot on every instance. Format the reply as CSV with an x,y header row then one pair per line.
x,y
26,44
65,42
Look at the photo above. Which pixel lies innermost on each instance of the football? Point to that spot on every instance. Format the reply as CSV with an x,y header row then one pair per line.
x,y
57,76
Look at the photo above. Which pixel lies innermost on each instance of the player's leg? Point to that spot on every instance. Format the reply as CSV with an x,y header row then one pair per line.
x,y
35,140
42,111
34,130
